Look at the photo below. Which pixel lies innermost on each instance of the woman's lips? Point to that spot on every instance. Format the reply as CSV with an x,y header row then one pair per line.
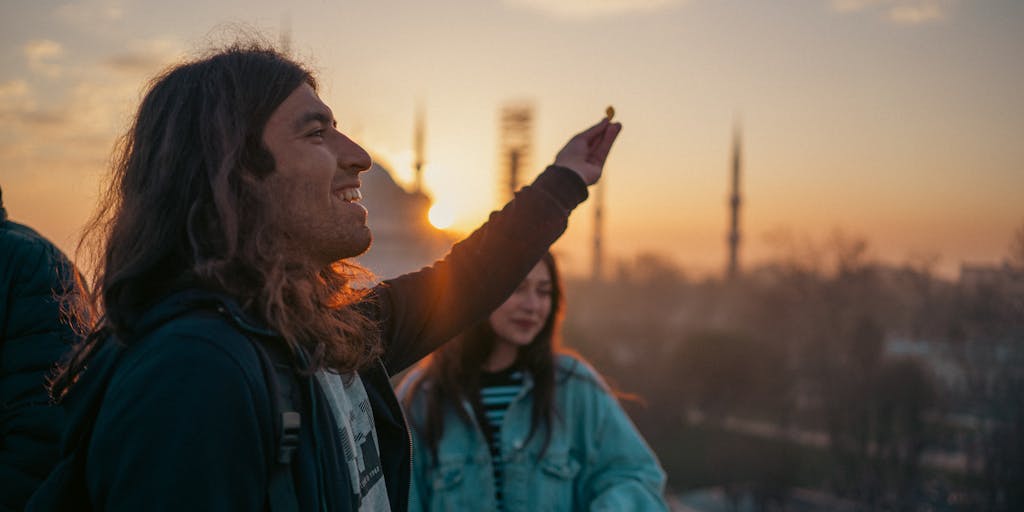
x,y
524,324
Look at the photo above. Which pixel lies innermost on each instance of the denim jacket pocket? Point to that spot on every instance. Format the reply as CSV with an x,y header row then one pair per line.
x,y
556,487
448,489
447,477
565,469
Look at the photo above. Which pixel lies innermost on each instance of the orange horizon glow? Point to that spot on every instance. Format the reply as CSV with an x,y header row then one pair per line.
x,y
852,119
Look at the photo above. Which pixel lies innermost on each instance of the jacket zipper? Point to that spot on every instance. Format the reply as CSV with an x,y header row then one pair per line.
x,y
408,437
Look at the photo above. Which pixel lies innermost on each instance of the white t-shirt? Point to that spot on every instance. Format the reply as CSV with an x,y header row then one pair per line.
x,y
358,437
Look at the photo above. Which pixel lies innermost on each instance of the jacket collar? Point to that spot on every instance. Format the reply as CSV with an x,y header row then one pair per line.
x,y
189,299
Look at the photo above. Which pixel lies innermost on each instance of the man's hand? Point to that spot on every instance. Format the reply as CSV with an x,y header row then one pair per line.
x,y
586,152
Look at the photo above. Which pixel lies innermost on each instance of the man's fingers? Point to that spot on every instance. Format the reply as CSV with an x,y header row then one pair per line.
x,y
603,144
593,134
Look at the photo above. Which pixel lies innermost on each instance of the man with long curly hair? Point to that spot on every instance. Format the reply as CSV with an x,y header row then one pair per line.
x,y
225,235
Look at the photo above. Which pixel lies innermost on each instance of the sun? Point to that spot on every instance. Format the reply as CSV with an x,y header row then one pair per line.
x,y
441,216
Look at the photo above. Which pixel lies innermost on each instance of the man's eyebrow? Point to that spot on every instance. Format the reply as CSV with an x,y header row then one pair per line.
x,y
311,117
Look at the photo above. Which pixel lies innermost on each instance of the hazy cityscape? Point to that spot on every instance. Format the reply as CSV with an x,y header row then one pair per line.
x,y
822,380
803,272
881,387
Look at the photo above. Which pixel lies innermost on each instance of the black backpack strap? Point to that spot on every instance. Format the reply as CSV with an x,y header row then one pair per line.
x,y
280,377
279,374
64,489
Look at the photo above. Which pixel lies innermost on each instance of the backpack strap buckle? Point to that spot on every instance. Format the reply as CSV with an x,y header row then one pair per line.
x,y
289,441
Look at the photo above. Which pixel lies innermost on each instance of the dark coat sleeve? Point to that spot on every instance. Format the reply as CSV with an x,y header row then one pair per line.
x,y
32,274
185,425
421,310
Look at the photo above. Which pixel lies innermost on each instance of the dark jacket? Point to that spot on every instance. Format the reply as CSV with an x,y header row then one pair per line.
x,y
33,272
186,423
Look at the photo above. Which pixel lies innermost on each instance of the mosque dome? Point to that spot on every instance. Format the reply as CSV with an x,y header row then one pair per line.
x,y
403,238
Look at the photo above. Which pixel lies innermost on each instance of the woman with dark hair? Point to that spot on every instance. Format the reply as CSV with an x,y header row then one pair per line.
x,y
504,418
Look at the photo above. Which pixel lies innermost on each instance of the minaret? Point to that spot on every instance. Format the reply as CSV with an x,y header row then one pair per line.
x,y
417,144
734,206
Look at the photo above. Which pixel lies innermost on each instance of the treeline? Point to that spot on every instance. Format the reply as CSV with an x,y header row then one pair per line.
x,y
885,387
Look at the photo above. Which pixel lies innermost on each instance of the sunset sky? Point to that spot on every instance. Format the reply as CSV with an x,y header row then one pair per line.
x,y
901,121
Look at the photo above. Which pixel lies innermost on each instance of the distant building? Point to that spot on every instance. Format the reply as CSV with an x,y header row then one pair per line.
x,y
938,357
403,238
1001,277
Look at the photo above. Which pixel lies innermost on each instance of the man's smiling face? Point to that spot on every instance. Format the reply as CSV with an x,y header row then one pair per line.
x,y
314,187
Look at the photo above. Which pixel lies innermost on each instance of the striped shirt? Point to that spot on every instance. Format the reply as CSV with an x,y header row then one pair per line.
x,y
497,390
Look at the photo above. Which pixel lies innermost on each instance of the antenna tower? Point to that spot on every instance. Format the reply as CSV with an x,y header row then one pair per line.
x,y
516,144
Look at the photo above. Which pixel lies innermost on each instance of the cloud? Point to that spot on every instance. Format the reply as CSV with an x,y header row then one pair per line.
x,y
131,62
854,5
96,18
55,146
41,117
903,12
40,54
91,12
144,57
13,91
17,103
36,129
916,14
593,8
78,117
69,125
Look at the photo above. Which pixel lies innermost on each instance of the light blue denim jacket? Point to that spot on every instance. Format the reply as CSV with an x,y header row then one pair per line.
x,y
596,459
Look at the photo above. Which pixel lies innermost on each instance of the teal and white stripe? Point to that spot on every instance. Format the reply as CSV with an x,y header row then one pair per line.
x,y
497,391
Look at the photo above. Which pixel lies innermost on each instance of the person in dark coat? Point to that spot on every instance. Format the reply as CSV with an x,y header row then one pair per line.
x,y
226,231
35,276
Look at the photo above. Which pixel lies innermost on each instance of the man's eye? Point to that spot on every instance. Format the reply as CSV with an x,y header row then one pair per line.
x,y
317,133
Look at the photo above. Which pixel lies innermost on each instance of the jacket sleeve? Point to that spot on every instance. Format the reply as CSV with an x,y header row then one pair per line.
x,y
620,471
184,427
32,340
422,310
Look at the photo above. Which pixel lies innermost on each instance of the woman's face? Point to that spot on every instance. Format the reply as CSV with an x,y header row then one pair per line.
x,y
518,321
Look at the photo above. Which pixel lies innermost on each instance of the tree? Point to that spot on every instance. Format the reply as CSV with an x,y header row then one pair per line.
x,y
906,392
727,373
1017,248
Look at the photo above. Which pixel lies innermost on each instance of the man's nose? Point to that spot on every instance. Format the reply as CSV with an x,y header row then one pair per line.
x,y
352,157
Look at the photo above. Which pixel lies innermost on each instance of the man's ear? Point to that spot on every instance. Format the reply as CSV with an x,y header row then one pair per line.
x,y
256,161
248,177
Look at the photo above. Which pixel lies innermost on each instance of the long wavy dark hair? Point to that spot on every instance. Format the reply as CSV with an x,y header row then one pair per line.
x,y
452,373
184,205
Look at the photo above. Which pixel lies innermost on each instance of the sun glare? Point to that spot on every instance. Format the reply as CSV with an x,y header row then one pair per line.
x,y
441,216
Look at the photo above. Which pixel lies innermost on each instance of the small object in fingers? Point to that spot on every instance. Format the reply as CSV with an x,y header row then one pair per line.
x,y
609,112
